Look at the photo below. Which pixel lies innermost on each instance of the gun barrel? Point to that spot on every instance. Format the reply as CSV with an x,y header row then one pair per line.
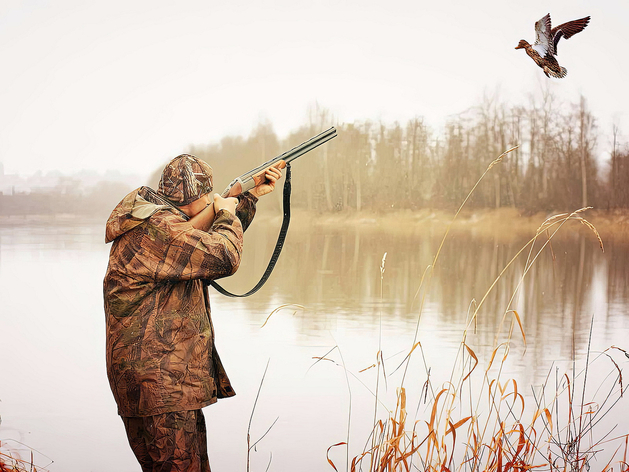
x,y
295,152
246,179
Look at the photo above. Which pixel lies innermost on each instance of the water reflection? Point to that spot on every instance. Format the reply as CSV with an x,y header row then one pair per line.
x,y
336,273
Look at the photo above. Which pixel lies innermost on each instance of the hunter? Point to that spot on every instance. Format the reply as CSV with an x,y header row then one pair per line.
x,y
162,364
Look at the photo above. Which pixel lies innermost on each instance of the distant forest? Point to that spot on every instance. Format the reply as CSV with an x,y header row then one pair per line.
x,y
376,167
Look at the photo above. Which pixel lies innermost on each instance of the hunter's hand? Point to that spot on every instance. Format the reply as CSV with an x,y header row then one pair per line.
x,y
265,181
228,204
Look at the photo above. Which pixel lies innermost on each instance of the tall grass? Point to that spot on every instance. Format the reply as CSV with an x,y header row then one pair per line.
x,y
477,420
11,460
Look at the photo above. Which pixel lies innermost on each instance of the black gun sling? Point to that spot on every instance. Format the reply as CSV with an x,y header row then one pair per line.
x,y
278,245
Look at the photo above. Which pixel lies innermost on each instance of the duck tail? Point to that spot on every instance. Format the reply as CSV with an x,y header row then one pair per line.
x,y
558,75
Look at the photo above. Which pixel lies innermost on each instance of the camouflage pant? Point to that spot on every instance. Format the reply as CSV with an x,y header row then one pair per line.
x,y
171,442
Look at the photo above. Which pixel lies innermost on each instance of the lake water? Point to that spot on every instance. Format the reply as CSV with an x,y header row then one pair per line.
x,y
55,398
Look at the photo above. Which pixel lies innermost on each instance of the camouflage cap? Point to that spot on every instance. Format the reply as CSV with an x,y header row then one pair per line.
x,y
185,179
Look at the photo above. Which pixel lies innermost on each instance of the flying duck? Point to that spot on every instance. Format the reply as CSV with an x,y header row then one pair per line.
x,y
544,50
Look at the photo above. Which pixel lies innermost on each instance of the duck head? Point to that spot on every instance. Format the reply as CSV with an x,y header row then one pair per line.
x,y
522,44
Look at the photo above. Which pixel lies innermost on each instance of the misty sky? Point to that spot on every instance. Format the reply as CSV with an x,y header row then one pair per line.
x,y
128,84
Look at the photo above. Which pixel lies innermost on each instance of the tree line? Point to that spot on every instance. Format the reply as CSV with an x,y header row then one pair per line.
x,y
378,167
372,166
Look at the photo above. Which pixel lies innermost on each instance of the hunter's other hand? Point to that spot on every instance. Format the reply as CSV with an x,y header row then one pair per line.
x,y
265,181
228,204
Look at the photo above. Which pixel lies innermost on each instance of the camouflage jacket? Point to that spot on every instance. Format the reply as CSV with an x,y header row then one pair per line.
x,y
160,340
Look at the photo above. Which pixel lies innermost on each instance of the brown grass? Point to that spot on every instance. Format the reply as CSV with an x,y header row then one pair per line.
x,y
501,433
500,224
10,461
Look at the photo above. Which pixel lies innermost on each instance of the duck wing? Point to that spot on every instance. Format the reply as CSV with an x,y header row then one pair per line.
x,y
543,44
567,30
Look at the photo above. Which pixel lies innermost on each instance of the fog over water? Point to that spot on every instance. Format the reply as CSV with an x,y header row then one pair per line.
x,y
55,395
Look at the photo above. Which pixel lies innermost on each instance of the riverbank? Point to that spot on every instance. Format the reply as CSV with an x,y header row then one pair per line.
x,y
501,223
496,223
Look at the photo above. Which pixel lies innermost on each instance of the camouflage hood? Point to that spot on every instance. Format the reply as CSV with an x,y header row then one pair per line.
x,y
184,179
134,209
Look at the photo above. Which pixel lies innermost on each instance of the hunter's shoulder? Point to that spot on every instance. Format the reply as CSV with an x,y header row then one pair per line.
x,y
168,223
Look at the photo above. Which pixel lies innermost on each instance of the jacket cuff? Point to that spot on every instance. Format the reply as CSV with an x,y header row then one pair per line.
x,y
224,217
248,196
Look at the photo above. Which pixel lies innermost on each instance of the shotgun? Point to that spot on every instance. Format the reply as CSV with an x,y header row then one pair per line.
x,y
250,179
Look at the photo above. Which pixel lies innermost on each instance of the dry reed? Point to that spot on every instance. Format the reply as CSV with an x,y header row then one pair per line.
x,y
477,421
10,460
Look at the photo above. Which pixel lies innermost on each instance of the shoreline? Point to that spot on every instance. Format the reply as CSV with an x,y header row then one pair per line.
x,y
503,222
